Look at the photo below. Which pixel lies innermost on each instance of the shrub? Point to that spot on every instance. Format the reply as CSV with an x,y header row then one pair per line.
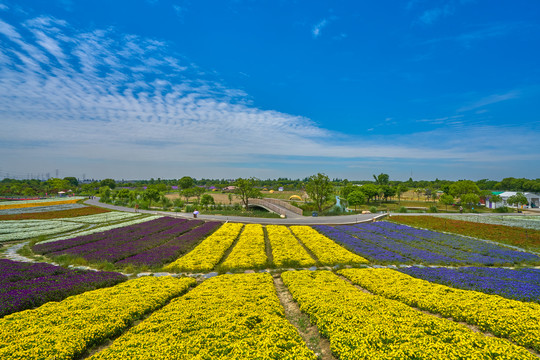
x,y
502,209
433,209
402,209
373,209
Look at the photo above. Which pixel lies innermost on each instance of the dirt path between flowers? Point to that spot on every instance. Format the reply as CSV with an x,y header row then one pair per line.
x,y
313,339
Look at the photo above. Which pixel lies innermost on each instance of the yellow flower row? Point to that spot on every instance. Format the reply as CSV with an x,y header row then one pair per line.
x,y
34,204
64,330
286,249
226,317
326,250
364,326
210,251
513,319
250,250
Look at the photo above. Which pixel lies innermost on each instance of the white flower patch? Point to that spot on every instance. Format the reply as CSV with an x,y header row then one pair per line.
x,y
103,228
105,217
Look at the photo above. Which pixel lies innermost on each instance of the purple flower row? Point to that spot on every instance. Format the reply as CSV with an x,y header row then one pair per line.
x,y
127,232
523,285
416,246
367,249
470,250
28,285
172,249
114,236
119,249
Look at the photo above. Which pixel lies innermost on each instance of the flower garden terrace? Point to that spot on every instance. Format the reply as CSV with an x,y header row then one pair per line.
x,y
355,293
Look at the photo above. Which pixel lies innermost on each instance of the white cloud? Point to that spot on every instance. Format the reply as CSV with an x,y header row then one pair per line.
x,y
492,99
316,30
126,105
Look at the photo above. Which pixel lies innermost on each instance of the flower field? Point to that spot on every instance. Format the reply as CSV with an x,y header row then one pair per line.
x,y
527,239
227,317
515,320
363,311
27,285
522,221
150,243
393,243
41,202
286,250
523,284
12,230
326,250
249,252
365,326
209,252
66,329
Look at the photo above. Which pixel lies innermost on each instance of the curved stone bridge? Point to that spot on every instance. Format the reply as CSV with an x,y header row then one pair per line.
x,y
277,206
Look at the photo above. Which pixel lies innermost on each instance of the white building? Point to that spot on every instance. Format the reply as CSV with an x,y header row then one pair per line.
x,y
532,198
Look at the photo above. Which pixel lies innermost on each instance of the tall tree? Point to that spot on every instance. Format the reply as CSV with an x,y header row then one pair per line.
x,y
381,179
518,199
246,189
186,182
151,194
446,199
320,189
356,198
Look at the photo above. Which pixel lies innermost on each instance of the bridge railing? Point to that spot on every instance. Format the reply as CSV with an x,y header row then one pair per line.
x,y
276,205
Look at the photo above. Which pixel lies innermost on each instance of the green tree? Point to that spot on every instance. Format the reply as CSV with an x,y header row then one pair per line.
x,y
470,199
370,190
463,187
381,179
518,199
108,182
206,200
347,189
104,194
230,196
198,191
186,182
187,193
356,198
123,194
401,188
72,180
446,199
57,184
246,189
320,189
150,195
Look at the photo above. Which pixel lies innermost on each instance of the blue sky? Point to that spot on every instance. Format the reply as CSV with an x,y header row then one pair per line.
x,y
443,89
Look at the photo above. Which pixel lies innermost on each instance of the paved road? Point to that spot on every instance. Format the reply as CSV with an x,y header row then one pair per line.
x,y
305,220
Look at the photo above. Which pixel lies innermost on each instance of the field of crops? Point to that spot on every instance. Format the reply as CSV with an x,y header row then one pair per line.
x,y
342,308
385,242
511,235
522,221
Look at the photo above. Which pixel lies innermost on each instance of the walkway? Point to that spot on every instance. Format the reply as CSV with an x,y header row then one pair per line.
x,y
305,220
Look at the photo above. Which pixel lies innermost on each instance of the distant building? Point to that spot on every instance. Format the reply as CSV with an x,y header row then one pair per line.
x,y
532,199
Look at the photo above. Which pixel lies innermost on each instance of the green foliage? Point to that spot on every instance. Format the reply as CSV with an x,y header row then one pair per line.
x,y
502,209
356,198
319,188
370,190
446,199
151,195
402,209
470,199
347,189
462,187
186,182
518,199
433,209
373,209
108,182
206,200
381,179
246,189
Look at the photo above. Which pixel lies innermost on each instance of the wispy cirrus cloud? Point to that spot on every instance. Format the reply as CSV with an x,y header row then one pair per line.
x,y
317,28
430,16
489,100
100,99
